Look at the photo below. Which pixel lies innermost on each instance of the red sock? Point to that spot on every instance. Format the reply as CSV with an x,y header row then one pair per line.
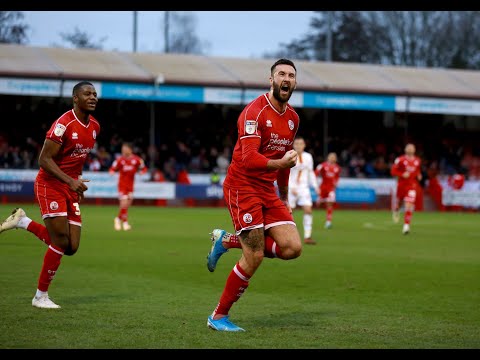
x,y
329,214
234,242
51,262
123,214
408,216
271,249
237,283
39,231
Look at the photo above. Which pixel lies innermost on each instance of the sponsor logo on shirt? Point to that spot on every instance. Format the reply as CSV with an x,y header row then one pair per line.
x,y
80,152
74,136
278,144
269,123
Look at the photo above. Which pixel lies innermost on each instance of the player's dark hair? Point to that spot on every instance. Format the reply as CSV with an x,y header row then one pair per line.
x,y
79,85
282,62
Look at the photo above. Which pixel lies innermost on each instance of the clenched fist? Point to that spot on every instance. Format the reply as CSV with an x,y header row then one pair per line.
x,y
290,158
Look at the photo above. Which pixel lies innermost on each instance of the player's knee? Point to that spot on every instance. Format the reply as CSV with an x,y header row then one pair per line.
x,y
296,250
61,240
70,251
292,249
255,259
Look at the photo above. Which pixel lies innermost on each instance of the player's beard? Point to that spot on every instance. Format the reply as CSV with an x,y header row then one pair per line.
x,y
278,96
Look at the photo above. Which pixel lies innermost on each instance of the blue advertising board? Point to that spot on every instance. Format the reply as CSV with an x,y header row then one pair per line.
x,y
183,191
349,101
16,187
355,195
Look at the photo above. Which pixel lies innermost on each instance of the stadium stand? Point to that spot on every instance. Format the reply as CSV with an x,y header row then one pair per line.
x,y
367,139
61,63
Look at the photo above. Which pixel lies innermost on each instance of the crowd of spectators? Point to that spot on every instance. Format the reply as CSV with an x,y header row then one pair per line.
x,y
202,142
358,158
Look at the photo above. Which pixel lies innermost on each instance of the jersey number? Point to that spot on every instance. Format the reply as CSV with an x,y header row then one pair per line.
x,y
77,208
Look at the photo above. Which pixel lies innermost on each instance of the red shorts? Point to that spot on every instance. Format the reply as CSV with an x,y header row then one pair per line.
x,y
56,199
327,193
407,194
125,193
255,210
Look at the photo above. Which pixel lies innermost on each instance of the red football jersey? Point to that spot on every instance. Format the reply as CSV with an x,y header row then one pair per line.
x,y
330,174
127,167
77,141
403,164
276,132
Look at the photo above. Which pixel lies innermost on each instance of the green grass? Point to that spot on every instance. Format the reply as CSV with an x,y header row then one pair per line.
x,y
363,286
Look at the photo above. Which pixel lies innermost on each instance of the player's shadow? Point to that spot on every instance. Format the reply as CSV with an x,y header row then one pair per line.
x,y
291,319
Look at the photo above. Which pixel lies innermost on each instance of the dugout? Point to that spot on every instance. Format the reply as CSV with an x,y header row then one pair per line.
x,y
156,99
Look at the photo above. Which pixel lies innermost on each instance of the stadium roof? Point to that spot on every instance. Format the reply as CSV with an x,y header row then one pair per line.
x,y
188,69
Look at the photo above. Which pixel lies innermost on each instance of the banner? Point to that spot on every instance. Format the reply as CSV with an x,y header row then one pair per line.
x,y
16,187
237,96
443,106
355,195
183,191
330,100
465,198
380,186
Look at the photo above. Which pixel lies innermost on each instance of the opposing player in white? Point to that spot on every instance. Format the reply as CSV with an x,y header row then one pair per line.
x,y
302,179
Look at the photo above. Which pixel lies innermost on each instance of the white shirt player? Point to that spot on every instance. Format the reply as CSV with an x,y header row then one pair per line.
x,y
302,178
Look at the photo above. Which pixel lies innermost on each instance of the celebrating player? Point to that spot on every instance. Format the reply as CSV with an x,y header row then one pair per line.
x,y
302,178
407,170
127,165
262,219
329,172
59,187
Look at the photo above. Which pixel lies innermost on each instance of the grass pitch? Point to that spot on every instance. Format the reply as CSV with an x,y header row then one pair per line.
x,y
363,286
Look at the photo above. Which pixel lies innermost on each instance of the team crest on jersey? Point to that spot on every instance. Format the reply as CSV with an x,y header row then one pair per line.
x,y
250,126
59,130
94,134
247,218
291,124
54,205
269,123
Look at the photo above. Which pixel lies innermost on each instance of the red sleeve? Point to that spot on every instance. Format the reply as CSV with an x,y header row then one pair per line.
x,y
142,168
282,177
252,159
57,130
114,166
419,168
395,171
